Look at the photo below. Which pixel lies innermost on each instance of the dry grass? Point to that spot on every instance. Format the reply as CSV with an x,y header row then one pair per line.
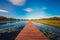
x,y
54,23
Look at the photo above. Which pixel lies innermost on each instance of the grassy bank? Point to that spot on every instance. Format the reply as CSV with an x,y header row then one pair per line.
x,y
54,23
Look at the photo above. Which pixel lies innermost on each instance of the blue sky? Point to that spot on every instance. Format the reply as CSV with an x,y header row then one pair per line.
x,y
30,9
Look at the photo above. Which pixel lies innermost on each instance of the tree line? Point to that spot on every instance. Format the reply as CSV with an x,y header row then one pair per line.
x,y
2,18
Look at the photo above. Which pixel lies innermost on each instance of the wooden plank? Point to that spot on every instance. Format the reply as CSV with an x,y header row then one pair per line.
x,y
30,32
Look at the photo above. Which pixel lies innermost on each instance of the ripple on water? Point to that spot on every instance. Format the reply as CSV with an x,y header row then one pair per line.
x,y
50,31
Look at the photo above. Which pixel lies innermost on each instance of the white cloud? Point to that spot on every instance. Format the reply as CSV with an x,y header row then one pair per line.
x,y
38,13
18,2
28,9
5,11
43,8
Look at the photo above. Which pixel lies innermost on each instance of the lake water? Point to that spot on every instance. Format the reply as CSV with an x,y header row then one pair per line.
x,y
49,31
7,25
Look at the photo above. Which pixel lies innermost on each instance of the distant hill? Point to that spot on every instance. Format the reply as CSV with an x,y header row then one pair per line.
x,y
51,18
2,18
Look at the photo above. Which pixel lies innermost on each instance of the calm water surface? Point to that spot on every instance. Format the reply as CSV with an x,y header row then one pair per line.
x,y
46,29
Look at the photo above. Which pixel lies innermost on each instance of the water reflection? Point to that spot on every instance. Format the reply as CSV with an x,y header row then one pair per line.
x,y
2,23
51,32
